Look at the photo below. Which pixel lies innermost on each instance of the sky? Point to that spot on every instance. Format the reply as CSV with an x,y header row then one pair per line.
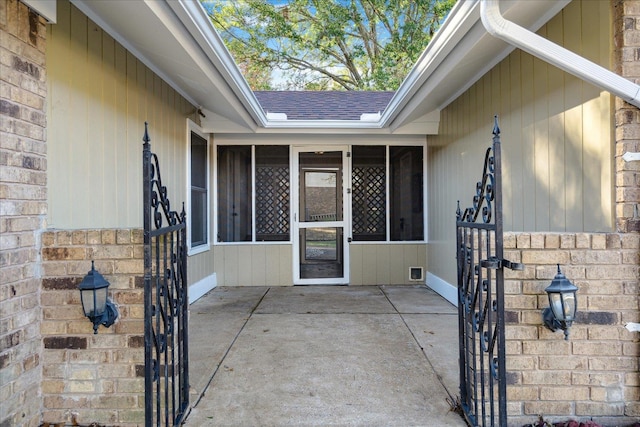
x,y
379,71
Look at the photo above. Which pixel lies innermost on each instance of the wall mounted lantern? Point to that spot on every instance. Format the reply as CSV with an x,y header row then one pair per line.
x,y
95,303
562,304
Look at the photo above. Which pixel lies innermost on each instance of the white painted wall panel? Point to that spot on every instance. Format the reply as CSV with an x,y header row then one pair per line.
x,y
556,141
99,98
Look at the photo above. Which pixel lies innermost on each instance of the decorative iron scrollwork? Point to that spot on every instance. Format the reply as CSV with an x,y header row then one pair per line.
x,y
165,300
159,200
480,289
494,368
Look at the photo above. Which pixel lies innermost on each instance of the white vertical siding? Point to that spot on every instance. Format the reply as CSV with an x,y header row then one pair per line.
x,y
385,264
556,141
99,98
249,265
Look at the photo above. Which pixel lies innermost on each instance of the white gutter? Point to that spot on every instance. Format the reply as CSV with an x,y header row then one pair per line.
x,y
550,52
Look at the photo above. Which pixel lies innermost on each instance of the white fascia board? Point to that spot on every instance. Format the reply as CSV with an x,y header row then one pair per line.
x,y
436,77
197,22
321,127
195,18
313,125
461,18
322,124
318,138
274,124
551,11
458,37
45,8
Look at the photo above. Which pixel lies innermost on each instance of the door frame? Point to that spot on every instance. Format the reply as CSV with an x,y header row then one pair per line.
x,y
345,223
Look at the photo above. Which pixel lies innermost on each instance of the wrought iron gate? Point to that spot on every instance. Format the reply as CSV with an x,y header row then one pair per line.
x,y
166,355
483,388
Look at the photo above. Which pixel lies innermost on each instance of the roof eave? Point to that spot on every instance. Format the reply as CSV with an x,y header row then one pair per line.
x,y
195,18
442,72
436,79
152,30
463,16
321,124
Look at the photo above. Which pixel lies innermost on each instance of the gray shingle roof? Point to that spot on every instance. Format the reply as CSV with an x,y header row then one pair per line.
x,y
323,105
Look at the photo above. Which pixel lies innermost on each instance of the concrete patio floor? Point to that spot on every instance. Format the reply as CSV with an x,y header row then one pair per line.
x,y
323,355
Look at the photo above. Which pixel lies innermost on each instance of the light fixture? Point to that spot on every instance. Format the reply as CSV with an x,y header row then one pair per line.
x,y
562,304
95,303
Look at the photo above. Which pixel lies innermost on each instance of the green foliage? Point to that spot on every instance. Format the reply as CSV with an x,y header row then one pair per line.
x,y
327,44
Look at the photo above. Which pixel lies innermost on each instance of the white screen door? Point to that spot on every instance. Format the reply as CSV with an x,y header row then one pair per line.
x,y
321,254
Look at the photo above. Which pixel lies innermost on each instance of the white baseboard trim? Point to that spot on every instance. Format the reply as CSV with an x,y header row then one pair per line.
x,y
444,288
201,287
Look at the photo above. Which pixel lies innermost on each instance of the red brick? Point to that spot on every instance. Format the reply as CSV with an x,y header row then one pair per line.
x,y
55,254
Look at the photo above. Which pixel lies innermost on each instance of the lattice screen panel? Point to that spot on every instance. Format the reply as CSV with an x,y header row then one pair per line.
x,y
369,201
272,201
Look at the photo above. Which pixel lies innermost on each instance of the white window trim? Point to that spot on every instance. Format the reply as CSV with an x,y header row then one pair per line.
x,y
193,127
253,194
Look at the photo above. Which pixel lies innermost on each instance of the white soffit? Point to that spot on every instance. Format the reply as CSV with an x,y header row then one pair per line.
x,y
154,34
45,8
459,55
178,42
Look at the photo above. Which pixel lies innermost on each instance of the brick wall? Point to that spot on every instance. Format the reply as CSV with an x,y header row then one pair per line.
x,y
92,378
23,205
593,375
626,24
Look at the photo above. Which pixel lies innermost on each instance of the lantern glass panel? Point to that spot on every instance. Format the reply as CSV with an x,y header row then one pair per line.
x,y
87,301
94,301
569,300
555,302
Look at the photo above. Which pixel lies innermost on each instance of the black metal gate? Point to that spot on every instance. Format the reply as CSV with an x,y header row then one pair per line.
x,y
483,388
166,355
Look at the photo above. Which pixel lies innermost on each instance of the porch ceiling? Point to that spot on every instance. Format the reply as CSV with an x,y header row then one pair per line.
x,y
177,41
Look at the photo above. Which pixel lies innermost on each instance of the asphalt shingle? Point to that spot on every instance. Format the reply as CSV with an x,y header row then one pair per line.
x,y
323,105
